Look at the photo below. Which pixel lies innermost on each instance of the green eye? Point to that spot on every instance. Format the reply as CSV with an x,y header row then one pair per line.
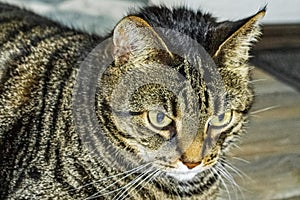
x,y
221,120
158,119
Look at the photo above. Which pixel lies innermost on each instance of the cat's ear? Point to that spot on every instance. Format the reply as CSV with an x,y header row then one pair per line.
x,y
133,37
232,41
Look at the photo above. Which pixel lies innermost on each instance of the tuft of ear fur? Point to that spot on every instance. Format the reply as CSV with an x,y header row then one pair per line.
x,y
238,36
133,37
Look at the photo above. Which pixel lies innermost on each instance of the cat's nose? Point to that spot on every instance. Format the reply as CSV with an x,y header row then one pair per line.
x,y
191,165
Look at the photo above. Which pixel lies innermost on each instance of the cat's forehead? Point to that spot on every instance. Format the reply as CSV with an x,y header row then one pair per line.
x,y
185,85
196,24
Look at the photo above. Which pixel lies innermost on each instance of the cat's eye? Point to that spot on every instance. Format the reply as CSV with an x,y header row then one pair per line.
x,y
158,119
222,120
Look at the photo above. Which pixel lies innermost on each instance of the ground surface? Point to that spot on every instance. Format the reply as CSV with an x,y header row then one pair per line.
x,y
272,145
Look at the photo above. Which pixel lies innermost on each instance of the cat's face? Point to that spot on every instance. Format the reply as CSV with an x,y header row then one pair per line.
x,y
170,103
171,124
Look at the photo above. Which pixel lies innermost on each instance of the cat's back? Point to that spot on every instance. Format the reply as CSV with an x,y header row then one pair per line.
x,y
32,50
39,59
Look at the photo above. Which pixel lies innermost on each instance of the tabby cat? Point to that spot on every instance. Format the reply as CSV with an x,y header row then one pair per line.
x,y
146,112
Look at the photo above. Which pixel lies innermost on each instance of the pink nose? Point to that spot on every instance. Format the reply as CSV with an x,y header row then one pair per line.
x,y
191,165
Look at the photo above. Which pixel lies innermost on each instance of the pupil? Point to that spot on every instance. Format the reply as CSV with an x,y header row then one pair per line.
x,y
221,117
160,117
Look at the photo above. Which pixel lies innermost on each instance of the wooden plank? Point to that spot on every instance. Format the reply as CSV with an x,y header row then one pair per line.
x,y
272,145
278,52
279,36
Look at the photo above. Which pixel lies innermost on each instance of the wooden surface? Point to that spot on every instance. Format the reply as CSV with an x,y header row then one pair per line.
x,y
279,36
278,52
269,154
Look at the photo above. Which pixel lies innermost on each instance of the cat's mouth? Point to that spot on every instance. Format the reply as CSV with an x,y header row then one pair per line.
x,y
182,172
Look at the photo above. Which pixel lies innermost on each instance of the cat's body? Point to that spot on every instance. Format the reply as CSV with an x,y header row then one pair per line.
x,y
43,155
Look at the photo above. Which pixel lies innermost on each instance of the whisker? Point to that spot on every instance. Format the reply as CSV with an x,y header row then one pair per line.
x,y
119,174
256,116
157,173
234,169
226,174
237,188
258,80
222,182
241,159
131,184
251,67
264,109
146,180
126,173
177,193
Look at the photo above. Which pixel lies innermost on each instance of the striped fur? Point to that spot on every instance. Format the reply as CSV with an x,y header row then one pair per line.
x,y
43,155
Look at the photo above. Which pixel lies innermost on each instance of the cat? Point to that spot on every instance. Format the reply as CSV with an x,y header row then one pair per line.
x,y
146,112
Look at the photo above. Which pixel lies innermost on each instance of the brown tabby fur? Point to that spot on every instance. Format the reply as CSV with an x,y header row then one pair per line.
x,y
43,152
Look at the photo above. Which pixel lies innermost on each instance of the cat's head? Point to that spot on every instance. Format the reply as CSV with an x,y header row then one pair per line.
x,y
173,100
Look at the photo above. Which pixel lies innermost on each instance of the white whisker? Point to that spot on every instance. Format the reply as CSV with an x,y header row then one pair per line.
x,y
130,185
126,173
258,80
223,172
223,182
264,109
146,180
234,169
226,174
241,159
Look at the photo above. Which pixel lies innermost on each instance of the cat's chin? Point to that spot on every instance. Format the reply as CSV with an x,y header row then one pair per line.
x,y
182,173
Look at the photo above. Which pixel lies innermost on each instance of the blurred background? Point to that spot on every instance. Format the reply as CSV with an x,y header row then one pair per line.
x,y
269,156
101,15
